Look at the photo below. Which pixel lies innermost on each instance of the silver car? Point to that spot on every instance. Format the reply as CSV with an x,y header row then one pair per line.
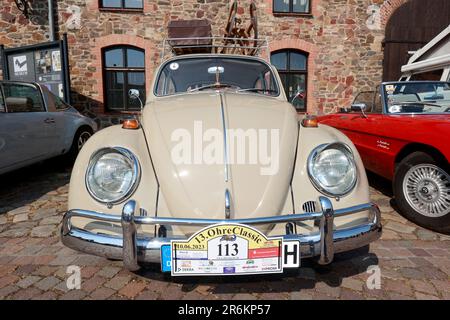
x,y
36,125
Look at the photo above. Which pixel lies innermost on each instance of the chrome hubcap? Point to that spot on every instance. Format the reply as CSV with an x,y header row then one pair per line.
x,y
84,136
427,189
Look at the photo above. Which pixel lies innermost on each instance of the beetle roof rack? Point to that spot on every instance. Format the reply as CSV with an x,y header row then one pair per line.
x,y
213,45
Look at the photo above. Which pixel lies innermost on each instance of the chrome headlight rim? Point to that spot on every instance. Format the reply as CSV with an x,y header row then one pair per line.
x,y
134,182
334,145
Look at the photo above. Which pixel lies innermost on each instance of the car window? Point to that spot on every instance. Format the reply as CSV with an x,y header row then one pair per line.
x,y
378,105
365,97
54,101
59,104
22,98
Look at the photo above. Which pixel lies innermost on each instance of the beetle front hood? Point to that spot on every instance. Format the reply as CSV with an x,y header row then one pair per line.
x,y
203,144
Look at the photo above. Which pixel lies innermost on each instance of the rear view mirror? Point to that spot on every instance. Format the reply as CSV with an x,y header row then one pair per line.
x,y
133,93
216,69
301,95
359,107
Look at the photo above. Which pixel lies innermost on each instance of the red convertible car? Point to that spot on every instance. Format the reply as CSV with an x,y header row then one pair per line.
x,y
402,132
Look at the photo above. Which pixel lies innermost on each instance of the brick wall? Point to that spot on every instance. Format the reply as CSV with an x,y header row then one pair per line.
x,y
342,37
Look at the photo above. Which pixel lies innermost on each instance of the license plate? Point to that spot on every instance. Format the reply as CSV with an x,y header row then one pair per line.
x,y
229,249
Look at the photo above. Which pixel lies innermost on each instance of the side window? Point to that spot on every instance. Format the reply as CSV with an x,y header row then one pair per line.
x,y
377,106
22,98
59,104
365,97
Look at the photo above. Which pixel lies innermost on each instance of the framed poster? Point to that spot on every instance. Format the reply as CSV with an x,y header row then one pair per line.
x,y
45,63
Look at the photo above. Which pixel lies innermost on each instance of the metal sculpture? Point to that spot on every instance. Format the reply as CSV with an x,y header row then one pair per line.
x,y
238,37
23,6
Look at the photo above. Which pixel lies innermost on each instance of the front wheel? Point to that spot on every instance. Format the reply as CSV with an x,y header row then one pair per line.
x,y
79,140
422,191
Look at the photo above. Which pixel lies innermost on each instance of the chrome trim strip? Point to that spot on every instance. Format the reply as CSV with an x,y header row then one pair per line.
x,y
225,140
134,250
227,204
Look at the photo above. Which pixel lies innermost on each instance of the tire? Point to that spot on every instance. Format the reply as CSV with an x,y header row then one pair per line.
x,y
81,136
422,191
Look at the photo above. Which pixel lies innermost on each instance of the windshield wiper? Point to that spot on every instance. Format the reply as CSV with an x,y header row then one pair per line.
x,y
212,85
257,90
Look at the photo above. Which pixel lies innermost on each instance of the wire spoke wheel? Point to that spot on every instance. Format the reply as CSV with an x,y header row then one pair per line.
x,y
427,189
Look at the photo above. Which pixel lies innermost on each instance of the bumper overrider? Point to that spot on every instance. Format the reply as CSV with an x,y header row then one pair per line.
x,y
134,250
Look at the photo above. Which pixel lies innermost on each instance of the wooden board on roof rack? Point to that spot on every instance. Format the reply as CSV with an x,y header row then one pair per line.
x,y
190,36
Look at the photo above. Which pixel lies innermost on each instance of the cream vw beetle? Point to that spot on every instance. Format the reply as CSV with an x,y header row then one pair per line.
x,y
219,177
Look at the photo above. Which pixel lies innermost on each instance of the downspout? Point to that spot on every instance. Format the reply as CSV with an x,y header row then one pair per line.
x,y
51,22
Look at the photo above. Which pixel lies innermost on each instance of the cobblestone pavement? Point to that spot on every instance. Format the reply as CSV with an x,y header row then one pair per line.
x,y
414,263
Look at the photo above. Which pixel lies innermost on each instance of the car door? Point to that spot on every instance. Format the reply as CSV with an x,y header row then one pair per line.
x,y
367,131
363,128
59,120
25,127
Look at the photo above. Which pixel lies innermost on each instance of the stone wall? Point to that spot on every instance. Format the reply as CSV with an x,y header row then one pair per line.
x,y
343,39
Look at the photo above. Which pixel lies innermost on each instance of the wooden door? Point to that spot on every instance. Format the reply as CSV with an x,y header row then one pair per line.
x,y
409,28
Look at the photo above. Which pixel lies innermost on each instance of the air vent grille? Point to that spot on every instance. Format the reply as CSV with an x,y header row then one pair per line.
x,y
309,206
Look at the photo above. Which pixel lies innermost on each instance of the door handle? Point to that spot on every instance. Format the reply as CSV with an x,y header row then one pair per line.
x,y
49,120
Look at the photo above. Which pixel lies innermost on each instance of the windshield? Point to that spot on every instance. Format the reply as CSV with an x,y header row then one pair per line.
x,y
417,97
195,74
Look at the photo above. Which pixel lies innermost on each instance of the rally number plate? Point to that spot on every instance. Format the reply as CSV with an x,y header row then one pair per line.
x,y
228,249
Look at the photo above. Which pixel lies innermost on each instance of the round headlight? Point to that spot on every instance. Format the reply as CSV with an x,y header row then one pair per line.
x,y
332,169
112,175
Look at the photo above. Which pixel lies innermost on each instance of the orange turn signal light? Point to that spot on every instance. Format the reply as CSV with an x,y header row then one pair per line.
x,y
310,122
132,124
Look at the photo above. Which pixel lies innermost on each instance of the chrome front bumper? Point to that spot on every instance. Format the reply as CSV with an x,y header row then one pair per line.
x,y
134,250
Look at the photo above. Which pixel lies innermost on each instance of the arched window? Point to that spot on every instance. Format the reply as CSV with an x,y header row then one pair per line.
x,y
292,67
123,69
